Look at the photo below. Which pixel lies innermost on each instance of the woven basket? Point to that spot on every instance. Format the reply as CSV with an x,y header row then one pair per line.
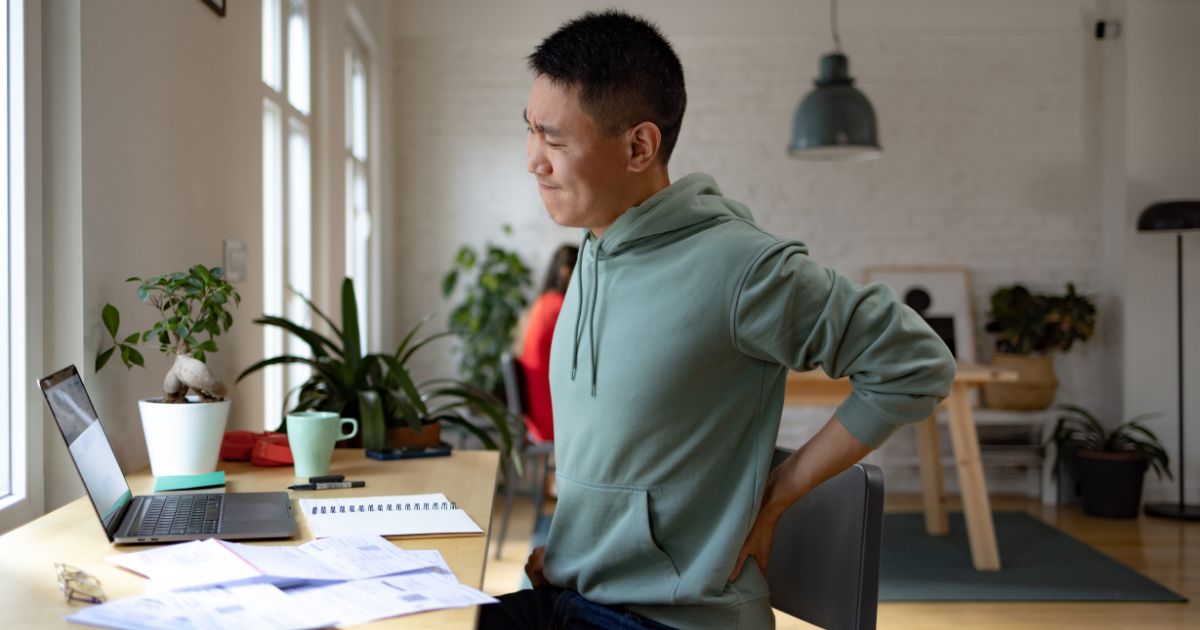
x,y
1035,387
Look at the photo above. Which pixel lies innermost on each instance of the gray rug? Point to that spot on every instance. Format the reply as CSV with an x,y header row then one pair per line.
x,y
1040,563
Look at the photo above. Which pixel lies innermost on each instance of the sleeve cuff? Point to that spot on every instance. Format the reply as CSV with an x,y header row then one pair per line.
x,y
865,422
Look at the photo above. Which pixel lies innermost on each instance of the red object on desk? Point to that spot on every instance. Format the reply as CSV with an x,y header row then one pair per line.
x,y
261,449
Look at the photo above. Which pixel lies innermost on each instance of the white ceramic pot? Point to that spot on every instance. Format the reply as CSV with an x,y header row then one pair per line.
x,y
183,439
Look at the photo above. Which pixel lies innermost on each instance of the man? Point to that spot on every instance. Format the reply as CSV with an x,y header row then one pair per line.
x,y
670,358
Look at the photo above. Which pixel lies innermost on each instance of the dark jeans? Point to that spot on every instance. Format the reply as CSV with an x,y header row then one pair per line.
x,y
552,608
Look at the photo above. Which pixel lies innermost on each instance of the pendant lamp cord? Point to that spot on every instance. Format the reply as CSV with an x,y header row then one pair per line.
x,y
837,41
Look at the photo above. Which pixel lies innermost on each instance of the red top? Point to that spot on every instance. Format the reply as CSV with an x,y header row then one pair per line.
x,y
535,359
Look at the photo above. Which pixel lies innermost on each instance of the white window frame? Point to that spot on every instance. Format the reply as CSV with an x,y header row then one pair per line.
x,y
358,49
22,191
277,245
359,35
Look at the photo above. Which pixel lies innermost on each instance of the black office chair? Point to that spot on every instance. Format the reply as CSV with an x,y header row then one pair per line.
x,y
539,452
824,566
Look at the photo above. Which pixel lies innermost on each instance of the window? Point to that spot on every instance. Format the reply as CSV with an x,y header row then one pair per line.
x,y
20,493
287,189
10,249
358,197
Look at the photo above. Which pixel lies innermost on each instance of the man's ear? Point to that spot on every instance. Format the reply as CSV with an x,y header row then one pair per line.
x,y
644,140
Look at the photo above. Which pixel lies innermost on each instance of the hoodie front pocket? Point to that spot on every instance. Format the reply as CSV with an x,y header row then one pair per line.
x,y
601,544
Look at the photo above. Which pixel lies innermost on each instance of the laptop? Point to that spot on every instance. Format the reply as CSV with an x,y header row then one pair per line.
x,y
155,518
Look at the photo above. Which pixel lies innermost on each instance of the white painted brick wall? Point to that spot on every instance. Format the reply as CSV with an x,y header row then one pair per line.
x,y
990,159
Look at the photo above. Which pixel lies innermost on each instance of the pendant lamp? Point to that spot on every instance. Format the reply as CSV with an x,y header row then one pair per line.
x,y
835,122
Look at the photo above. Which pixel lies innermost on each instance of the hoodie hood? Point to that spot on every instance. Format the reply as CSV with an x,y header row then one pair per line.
x,y
691,202
690,205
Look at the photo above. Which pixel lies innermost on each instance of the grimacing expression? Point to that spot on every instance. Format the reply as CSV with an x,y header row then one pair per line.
x,y
579,169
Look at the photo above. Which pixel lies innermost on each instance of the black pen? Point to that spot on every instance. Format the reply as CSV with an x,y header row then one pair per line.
x,y
326,478
328,486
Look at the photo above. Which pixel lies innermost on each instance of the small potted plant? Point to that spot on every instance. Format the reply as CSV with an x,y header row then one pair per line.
x,y
183,427
1110,466
378,389
1029,328
486,315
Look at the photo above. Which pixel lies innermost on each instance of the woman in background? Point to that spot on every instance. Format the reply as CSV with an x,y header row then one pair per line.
x,y
535,351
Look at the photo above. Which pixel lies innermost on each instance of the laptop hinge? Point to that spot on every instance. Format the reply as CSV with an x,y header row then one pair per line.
x,y
114,526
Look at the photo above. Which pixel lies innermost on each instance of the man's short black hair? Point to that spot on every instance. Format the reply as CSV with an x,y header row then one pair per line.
x,y
626,72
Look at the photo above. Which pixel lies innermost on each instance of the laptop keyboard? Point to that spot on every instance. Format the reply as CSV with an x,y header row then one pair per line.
x,y
182,514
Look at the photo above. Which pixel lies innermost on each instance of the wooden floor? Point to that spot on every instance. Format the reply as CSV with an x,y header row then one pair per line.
x,y
1167,551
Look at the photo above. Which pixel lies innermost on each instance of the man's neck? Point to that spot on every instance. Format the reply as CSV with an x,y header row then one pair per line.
x,y
645,189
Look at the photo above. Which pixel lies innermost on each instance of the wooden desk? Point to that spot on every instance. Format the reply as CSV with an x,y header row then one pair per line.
x,y
815,388
29,594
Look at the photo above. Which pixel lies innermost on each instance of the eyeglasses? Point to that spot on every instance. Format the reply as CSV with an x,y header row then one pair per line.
x,y
78,585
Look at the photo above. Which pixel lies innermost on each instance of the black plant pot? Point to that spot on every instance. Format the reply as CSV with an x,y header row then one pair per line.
x,y
1111,483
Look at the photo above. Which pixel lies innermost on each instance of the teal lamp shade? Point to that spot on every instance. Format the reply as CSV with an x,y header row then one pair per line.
x,y
835,122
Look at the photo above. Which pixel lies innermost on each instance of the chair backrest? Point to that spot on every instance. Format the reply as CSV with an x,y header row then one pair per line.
x,y
824,565
513,375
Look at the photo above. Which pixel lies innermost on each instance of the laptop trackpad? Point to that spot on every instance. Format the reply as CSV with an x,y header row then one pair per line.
x,y
254,507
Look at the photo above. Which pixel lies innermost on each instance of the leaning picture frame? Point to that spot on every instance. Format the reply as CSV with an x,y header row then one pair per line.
x,y
941,295
216,5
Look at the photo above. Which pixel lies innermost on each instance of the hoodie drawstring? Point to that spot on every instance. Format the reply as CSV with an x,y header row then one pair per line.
x,y
591,323
592,313
579,313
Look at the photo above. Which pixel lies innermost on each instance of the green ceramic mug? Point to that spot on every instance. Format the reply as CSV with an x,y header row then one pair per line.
x,y
311,435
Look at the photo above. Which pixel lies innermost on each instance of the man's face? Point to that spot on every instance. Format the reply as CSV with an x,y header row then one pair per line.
x,y
581,173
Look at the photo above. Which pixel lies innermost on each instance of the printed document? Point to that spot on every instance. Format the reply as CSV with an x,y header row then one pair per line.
x,y
367,600
207,562
219,608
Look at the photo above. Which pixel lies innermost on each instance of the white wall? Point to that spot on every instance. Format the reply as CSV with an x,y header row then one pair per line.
x,y
990,116
1162,162
153,157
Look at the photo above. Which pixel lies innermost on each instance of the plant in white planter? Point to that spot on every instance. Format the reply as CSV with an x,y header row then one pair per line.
x,y
184,426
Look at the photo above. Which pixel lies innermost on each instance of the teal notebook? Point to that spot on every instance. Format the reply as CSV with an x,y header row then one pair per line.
x,y
189,482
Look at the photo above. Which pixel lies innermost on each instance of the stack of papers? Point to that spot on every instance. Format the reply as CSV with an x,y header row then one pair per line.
x,y
334,581
209,562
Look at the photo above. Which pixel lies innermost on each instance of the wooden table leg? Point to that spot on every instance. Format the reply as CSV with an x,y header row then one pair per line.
x,y
937,522
977,507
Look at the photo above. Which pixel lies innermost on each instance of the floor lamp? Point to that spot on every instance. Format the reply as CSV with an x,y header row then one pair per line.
x,y
1177,217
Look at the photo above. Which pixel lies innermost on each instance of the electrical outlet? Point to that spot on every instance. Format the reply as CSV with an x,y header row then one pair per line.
x,y
235,260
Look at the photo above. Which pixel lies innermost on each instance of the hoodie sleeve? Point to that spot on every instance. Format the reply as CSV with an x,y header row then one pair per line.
x,y
792,311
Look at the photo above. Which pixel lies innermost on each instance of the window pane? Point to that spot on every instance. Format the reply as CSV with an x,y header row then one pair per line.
x,y
273,287
361,235
358,109
8,411
272,46
299,242
298,55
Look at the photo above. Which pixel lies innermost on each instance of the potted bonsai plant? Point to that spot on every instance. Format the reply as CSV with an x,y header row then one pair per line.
x,y
378,389
184,426
493,297
1029,328
1110,466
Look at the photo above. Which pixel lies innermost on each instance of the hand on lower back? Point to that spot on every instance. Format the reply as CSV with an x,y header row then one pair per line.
x,y
533,568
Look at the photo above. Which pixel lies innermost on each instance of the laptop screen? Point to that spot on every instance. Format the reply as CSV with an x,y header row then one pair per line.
x,y
80,425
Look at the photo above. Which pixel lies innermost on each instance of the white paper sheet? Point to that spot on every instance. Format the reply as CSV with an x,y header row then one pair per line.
x,y
189,564
258,606
439,568
361,601
365,556
196,564
400,515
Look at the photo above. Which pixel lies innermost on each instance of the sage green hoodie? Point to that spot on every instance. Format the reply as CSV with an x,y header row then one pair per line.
x,y
667,373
